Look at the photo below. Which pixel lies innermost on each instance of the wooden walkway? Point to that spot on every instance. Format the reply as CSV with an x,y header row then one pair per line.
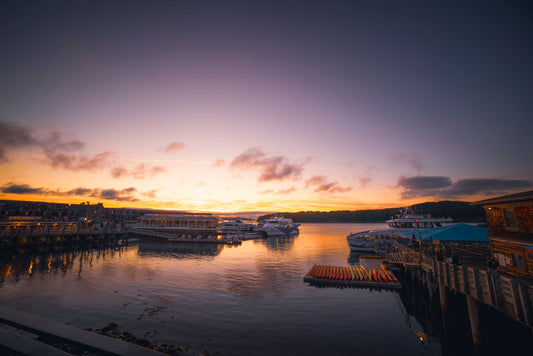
x,y
41,326
512,296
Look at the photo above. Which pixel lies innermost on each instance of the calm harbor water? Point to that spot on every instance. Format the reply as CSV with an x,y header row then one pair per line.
x,y
234,300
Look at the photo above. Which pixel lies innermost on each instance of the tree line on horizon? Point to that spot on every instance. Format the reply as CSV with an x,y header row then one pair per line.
x,y
459,211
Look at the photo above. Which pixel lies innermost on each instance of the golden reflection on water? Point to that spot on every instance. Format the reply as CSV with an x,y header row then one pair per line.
x,y
255,265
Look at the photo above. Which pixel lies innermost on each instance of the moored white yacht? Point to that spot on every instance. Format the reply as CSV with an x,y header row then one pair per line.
x,y
236,225
404,223
278,226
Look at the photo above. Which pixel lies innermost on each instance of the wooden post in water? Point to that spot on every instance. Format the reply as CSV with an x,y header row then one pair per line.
x,y
473,314
430,287
442,296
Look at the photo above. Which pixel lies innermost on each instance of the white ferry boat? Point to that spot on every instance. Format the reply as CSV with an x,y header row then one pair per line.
x,y
278,226
402,224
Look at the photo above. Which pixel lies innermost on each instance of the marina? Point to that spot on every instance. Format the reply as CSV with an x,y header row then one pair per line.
x,y
166,287
200,296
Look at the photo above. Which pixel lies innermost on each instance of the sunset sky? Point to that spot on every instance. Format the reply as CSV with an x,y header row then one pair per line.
x,y
265,105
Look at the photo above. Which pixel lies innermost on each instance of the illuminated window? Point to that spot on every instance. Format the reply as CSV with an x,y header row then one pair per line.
x,y
510,218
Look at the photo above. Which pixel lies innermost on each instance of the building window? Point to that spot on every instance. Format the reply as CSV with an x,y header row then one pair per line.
x,y
518,260
510,218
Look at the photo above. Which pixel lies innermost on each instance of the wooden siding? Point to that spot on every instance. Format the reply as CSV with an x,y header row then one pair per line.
x,y
524,220
507,248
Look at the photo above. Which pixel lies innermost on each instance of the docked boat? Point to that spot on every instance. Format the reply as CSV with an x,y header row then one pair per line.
x,y
278,226
242,228
236,226
404,224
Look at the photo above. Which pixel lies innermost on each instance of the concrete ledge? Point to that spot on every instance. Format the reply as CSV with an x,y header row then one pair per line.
x,y
26,345
95,341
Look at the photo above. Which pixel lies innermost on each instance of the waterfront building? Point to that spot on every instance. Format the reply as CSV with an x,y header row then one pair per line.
x,y
178,224
510,229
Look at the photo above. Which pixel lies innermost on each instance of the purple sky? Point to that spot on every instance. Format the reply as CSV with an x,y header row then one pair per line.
x,y
260,104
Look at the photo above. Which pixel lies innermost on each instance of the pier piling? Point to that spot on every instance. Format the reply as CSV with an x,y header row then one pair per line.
x,y
473,315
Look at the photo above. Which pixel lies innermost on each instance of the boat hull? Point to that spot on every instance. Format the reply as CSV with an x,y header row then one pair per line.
x,y
362,246
278,232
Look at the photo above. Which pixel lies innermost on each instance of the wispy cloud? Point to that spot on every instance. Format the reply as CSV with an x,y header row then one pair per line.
x,y
443,187
219,163
173,147
61,150
279,192
270,167
365,181
413,160
151,194
322,185
138,172
367,176
373,134
14,136
57,140
12,188
126,194
79,192
77,162
119,195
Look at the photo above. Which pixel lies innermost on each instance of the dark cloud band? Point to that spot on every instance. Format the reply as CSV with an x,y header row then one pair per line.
x,y
443,187
127,194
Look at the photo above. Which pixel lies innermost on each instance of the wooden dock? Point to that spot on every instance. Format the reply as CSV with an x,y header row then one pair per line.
x,y
509,295
13,234
36,325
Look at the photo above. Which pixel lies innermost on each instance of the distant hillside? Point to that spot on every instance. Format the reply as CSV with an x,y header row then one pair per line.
x,y
457,210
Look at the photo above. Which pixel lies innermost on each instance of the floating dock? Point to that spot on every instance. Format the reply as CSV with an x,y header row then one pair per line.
x,y
352,276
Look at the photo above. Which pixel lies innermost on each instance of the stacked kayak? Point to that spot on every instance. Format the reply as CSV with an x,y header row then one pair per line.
x,y
353,275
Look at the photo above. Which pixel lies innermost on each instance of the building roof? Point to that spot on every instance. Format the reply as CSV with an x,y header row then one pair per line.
x,y
453,233
179,217
524,196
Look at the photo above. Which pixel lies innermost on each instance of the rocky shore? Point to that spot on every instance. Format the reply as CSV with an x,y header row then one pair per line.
x,y
113,330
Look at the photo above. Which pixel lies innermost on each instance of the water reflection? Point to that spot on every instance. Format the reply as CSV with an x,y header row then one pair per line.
x,y
212,293
280,243
187,250
353,258
26,262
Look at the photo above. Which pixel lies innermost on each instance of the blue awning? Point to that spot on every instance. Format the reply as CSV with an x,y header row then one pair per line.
x,y
455,232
